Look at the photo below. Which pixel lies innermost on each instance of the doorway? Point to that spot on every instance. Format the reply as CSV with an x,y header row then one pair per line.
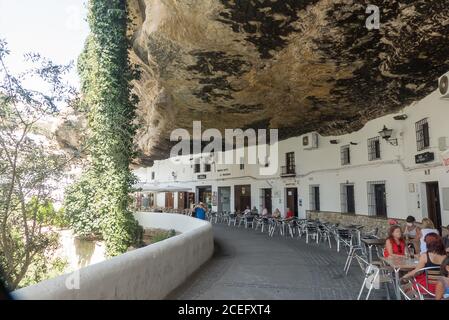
x,y
266,200
242,196
433,204
347,197
205,195
224,199
169,200
292,199
380,197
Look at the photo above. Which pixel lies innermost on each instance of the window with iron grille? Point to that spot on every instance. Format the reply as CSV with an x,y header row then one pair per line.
x,y
242,164
422,134
345,154
207,167
314,197
197,167
377,198
347,198
374,149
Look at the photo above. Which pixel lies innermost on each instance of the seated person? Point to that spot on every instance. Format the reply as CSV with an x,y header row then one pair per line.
x,y
446,240
411,228
433,257
247,211
427,227
395,244
254,211
264,212
290,214
442,289
276,214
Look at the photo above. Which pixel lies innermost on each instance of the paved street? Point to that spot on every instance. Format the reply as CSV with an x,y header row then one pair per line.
x,y
250,265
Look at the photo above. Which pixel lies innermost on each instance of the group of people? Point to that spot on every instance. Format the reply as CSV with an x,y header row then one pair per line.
x,y
265,214
426,241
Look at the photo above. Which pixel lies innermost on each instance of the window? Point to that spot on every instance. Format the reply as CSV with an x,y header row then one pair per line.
x,y
347,198
242,164
197,168
314,197
152,175
345,155
422,134
290,162
374,149
207,167
377,199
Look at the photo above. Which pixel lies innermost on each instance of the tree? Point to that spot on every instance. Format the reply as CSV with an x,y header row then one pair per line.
x,y
106,75
29,167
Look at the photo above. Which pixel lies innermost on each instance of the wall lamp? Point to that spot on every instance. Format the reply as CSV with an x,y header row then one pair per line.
x,y
386,133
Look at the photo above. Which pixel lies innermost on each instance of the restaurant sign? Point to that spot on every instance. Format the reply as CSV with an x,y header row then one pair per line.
x,y
201,176
424,157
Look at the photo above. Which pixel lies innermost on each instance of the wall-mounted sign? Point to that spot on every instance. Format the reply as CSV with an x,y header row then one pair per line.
x,y
445,159
224,174
424,157
201,176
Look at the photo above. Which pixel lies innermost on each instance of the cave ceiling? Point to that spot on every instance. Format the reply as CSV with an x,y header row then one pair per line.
x,y
298,66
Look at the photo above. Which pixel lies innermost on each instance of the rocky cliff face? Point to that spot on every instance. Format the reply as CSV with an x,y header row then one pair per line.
x,y
296,65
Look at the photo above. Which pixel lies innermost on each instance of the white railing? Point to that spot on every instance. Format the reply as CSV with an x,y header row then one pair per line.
x,y
151,272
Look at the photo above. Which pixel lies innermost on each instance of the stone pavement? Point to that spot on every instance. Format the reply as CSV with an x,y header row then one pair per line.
x,y
248,264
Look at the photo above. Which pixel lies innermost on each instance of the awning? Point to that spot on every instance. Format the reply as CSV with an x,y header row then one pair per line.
x,y
153,188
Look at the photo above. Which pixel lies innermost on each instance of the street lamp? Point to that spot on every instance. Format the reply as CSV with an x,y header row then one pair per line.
x,y
386,134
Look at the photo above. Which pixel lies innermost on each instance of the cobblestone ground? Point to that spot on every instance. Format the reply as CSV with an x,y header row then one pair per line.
x,y
248,264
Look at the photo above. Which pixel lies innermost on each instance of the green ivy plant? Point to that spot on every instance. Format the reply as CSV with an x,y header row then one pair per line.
x,y
98,204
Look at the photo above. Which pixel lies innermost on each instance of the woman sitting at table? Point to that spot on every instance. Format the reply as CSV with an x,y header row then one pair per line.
x,y
427,227
433,257
395,244
276,214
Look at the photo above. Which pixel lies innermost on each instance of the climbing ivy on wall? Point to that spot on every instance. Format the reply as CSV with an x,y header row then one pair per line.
x,y
97,204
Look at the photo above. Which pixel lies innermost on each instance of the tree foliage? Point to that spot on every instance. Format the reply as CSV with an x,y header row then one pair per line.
x,y
98,203
29,167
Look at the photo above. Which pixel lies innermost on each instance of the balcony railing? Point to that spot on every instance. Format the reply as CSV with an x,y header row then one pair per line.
x,y
288,171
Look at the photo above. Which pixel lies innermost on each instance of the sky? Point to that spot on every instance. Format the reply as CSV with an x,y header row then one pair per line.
x,y
56,29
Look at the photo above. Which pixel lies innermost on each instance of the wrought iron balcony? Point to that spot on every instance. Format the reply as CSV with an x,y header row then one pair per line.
x,y
287,171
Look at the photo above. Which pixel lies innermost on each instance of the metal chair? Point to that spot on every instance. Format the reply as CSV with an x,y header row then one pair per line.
x,y
324,233
249,221
343,236
232,218
413,289
275,224
375,276
312,231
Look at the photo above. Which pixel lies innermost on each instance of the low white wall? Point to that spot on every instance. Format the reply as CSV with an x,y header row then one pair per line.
x,y
151,272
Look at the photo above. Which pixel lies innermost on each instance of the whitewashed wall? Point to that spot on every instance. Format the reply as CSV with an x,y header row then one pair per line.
x,y
322,166
151,272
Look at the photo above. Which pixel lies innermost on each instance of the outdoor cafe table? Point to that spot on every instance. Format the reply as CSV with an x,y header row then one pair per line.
x,y
370,242
399,263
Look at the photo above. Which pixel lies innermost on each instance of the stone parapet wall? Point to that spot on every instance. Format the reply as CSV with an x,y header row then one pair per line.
x,y
369,222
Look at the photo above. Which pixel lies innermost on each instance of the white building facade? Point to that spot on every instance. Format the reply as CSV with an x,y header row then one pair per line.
x,y
360,173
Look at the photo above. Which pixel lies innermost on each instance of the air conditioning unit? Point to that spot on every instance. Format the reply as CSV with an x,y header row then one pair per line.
x,y
310,141
443,85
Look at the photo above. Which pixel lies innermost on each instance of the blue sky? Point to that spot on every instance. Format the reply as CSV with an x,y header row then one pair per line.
x,y
55,28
